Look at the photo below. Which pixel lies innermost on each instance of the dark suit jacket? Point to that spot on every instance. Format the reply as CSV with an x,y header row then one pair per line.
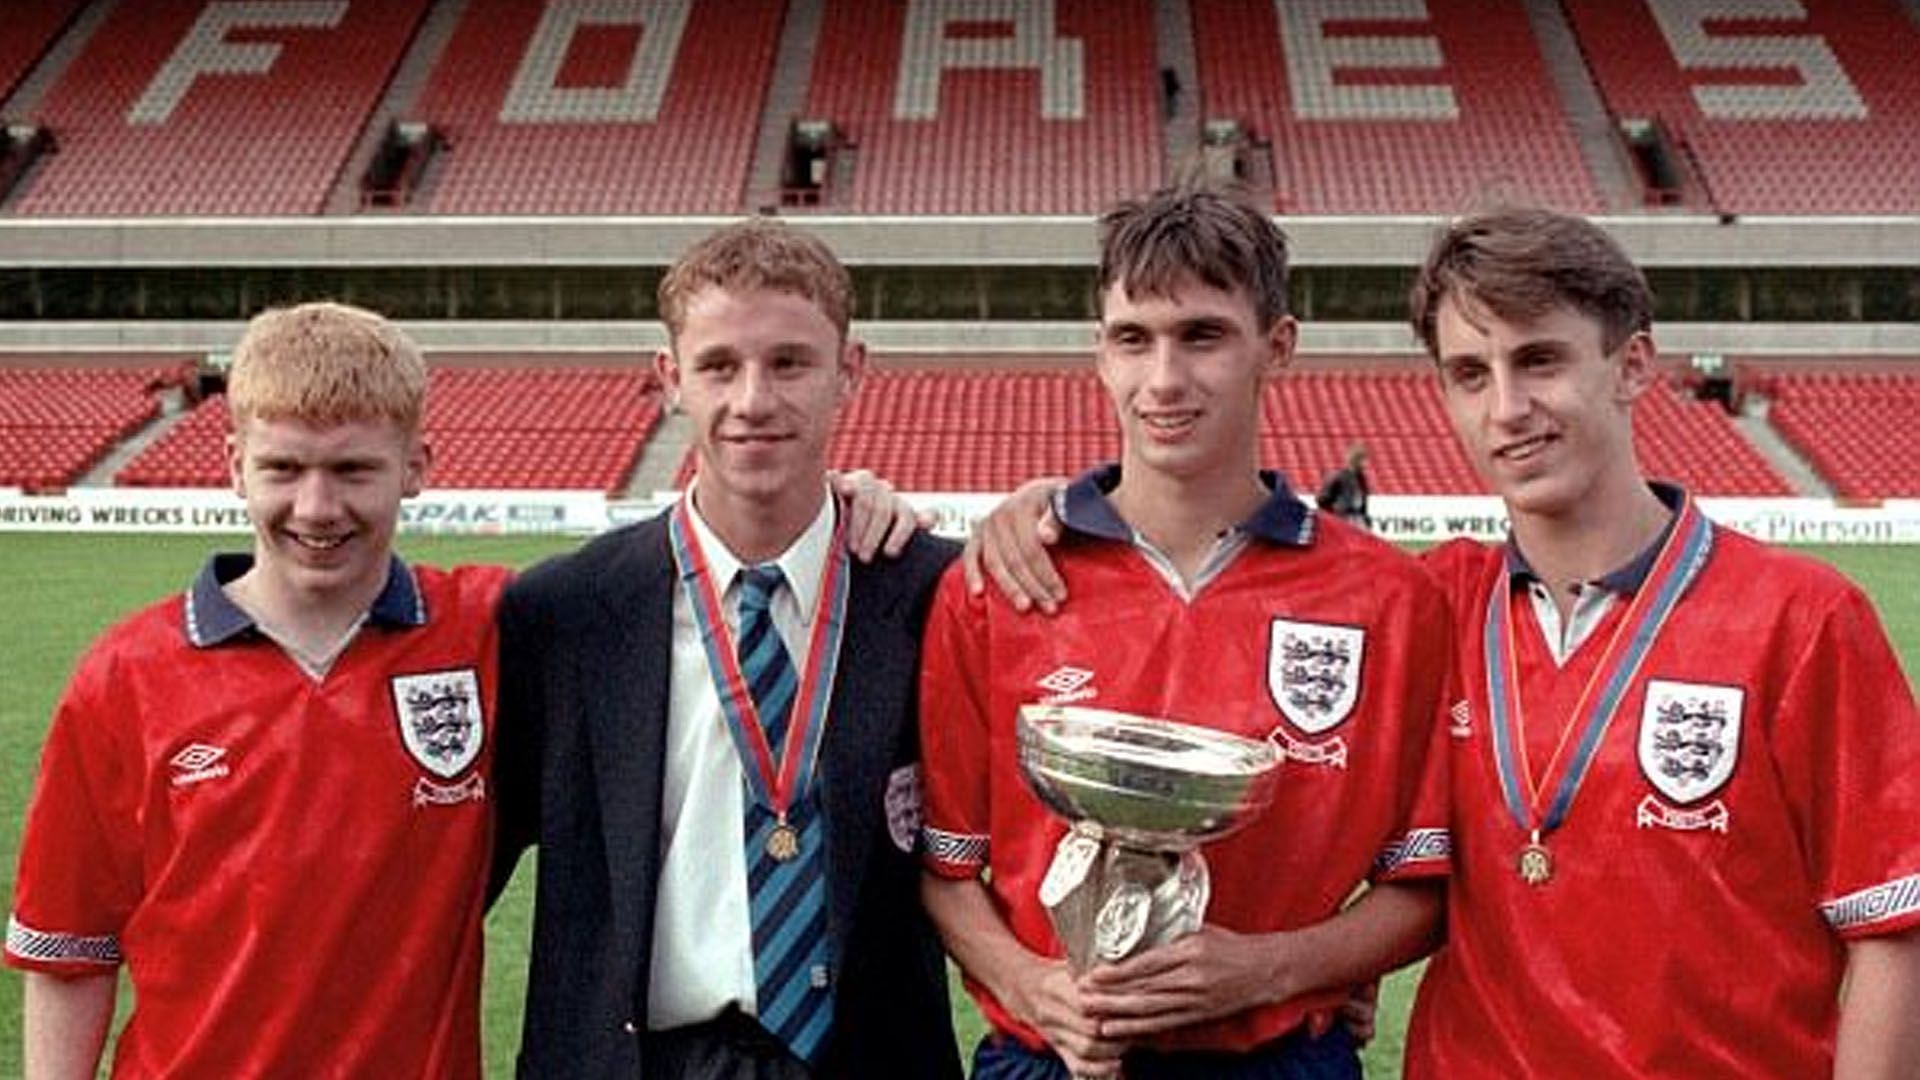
x,y
585,646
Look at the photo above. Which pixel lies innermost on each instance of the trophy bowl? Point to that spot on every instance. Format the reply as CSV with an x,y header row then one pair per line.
x,y
1142,780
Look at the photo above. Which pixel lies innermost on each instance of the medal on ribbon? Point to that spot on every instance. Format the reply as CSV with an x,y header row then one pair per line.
x,y
776,776
1540,807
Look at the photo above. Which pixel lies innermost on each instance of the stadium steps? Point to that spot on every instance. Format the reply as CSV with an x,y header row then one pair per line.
x,y
1173,37
786,99
660,458
173,409
402,96
1586,113
1788,462
25,99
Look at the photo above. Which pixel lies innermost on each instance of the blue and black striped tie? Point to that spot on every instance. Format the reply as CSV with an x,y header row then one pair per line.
x,y
787,900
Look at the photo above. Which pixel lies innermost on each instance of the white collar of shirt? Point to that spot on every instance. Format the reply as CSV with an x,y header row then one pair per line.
x,y
804,563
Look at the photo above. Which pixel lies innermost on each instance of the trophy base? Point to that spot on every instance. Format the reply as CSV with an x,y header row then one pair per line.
x,y
1109,899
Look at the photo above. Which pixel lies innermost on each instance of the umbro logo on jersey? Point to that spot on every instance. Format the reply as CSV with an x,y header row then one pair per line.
x,y
1067,684
197,763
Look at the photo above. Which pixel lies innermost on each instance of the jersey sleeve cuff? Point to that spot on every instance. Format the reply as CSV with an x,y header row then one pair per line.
x,y
953,854
1417,853
1887,908
60,953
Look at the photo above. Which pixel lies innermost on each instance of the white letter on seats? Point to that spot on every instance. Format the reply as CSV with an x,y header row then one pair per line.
x,y
926,49
1313,57
536,99
206,51
1824,93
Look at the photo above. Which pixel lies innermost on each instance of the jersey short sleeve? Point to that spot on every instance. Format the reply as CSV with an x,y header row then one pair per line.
x,y
1849,756
955,740
1423,847
80,874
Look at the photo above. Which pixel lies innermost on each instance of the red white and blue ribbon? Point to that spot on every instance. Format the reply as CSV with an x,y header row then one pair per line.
x,y
1674,570
777,777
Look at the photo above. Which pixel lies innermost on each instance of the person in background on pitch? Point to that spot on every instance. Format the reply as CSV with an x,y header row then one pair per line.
x,y
1674,745
1216,598
266,797
708,728
1345,492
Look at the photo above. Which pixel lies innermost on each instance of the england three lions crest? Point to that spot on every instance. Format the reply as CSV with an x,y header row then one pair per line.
x,y
1689,738
440,719
1313,672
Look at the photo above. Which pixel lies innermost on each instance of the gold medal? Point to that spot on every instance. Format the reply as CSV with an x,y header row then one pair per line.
x,y
1536,866
783,843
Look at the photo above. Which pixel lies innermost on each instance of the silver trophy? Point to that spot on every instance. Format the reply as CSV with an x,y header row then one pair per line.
x,y
1141,794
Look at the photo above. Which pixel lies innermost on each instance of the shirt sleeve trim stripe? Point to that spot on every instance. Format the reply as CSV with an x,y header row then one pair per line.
x,y
1886,903
955,849
45,946
1419,850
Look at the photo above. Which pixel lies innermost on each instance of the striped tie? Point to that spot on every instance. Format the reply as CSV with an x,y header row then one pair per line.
x,y
787,900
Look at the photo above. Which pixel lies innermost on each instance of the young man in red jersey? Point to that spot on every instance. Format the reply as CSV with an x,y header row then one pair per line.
x,y
1204,583
266,797
1676,747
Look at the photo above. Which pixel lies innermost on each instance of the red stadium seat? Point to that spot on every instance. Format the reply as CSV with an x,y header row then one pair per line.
x,y
1807,115
1861,431
552,116
191,107
1034,108
545,428
1385,117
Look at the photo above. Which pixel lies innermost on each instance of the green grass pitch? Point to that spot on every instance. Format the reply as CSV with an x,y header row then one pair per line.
x,y
65,589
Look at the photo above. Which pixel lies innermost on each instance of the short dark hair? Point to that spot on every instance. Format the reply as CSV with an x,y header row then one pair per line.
x,y
1148,246
758,253
1520,262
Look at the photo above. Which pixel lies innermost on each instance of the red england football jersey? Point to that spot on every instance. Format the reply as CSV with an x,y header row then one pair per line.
x,y
292,870
1753,803
1361,795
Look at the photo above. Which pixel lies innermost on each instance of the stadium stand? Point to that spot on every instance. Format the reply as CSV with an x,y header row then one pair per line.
x,y
1406,111
58,422
1695,444
1861,431
192,107
545,428
30,28
1808,110
991,106
578,109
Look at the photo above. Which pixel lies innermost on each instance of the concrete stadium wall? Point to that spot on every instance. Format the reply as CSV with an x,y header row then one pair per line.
x,y
1653,239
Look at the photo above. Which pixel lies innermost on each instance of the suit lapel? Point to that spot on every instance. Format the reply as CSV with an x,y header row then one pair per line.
x,y
861,737
628,723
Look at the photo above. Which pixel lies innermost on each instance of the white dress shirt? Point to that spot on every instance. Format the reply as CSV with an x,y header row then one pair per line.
x,y
702,940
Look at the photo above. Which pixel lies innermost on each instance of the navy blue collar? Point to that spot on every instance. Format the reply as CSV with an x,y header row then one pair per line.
x,y
1083,507
212,618
1624,580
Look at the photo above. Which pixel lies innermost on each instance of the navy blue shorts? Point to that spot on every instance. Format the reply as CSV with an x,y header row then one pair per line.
x,y
1293,1056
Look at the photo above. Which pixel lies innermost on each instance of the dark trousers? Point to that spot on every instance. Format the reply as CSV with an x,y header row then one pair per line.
x,y
731,1046
1293,1056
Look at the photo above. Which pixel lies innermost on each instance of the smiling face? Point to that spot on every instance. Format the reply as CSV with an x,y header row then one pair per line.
x,y
1541,406
762,374
1185,372
324,499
